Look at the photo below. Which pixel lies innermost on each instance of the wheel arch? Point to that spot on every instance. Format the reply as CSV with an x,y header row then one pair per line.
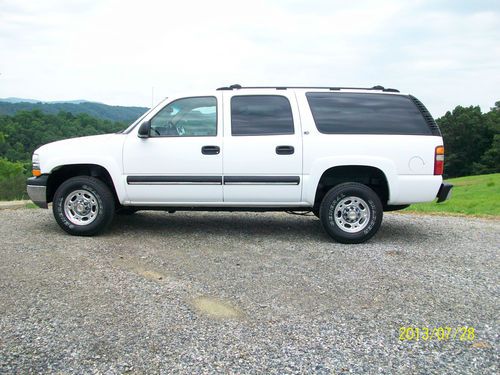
x,y
63,172
368,174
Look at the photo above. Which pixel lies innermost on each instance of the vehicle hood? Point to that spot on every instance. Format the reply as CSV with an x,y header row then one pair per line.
x,y
96,149
92,141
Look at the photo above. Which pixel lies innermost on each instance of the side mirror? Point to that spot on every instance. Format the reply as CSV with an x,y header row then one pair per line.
x,y
144,130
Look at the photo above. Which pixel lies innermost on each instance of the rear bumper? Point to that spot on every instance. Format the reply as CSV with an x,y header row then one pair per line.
x,y
37,190
444,192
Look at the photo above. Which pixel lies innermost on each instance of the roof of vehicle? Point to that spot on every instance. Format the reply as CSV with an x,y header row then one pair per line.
x,y
331,88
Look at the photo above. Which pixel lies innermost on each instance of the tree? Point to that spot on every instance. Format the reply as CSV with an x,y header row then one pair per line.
x,y
23,132
490,160
469,140
12,180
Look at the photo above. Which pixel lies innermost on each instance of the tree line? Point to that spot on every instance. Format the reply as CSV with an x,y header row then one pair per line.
x,y
471,138
98,110
25,131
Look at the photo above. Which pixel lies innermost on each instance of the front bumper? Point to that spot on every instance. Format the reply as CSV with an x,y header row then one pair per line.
x,y
444,192
37,190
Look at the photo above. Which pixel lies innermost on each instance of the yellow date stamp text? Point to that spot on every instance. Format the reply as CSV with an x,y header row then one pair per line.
x,y
414,333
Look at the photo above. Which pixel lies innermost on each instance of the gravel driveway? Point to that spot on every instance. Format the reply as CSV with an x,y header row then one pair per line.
x,y
245,293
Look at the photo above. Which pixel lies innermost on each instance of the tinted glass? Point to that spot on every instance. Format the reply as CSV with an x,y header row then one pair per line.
x,y
351,113
261,115
188,117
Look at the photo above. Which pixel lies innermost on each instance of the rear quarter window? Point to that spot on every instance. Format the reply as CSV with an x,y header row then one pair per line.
x,y
361,113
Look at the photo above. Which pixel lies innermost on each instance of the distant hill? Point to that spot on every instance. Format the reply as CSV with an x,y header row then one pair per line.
x,y
18,100
13,99
10,106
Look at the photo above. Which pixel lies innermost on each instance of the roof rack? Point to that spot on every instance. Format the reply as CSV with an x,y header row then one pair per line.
x,y
377,88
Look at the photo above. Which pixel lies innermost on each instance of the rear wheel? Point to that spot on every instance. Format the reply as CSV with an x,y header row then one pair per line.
x,y
351,213
83,206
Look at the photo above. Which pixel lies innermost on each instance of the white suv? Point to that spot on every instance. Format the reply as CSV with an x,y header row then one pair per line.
x,y
346,154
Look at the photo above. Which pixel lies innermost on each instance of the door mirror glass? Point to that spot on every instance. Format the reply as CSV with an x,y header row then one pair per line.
x,y
144,129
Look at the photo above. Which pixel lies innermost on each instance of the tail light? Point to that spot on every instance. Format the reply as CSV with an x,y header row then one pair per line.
x,y
439,160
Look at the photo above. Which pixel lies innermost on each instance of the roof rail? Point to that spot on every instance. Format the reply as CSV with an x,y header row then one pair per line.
x,y
376,88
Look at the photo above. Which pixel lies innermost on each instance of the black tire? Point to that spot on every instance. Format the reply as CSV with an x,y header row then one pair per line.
x,y
96,194
315,211
125,211
338,224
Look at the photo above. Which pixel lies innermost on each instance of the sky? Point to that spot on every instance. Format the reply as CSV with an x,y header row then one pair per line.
x,y
120,52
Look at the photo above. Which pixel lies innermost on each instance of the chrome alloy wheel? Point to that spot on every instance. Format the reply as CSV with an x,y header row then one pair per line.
x,y
81,207
352,214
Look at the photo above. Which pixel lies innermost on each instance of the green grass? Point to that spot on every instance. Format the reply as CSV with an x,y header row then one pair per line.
x,y
473,195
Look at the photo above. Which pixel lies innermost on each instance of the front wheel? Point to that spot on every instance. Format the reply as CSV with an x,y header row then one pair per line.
x,y
351,213
83,206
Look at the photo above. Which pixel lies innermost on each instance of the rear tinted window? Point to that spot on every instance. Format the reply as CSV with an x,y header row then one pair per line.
x,y
352,113
261,115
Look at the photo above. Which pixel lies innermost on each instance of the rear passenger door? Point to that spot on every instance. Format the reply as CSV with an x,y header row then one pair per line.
x,y
262,161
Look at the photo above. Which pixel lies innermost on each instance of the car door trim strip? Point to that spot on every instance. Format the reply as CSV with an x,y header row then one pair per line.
x,y
174,180
261,180
213,180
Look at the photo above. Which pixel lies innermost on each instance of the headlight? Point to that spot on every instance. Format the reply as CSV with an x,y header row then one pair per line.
x,y
35,165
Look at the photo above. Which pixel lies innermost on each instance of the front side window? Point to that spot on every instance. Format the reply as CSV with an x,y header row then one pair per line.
x,y
261,115
188,117
360,113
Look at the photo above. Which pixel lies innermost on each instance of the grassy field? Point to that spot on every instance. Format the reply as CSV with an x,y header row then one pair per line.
x,y
473,195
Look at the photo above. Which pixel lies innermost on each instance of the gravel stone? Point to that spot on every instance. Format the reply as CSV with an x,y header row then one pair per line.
x,y
277,295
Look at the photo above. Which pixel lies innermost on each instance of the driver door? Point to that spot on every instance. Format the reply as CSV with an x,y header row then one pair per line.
x,y
181,160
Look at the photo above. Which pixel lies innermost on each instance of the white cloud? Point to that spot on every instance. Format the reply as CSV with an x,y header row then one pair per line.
x,y
115,51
